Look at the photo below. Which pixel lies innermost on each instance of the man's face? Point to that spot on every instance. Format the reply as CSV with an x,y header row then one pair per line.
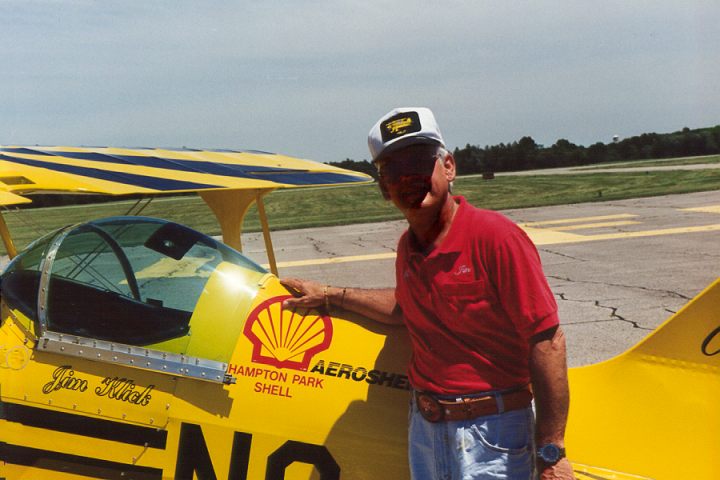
x,y
405,176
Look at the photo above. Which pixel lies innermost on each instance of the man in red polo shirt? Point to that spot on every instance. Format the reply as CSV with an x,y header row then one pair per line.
x,y
481,317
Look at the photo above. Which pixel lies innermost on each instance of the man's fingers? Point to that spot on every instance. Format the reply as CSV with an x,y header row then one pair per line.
x,y
294,286
292,283
292,302
301,302
307,294
560,471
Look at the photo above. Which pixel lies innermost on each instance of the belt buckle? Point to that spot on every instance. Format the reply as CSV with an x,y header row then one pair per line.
x,y
429,407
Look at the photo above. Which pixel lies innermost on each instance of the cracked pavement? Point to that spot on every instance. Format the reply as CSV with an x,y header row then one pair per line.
x,y
611,292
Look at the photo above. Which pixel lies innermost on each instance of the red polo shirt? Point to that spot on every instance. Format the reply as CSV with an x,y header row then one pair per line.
x,y
472,304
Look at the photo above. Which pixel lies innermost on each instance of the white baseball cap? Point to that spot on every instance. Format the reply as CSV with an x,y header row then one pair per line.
x,y
402,127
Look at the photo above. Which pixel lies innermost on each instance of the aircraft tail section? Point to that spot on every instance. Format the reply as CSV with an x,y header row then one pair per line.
x,y
652,412
691,335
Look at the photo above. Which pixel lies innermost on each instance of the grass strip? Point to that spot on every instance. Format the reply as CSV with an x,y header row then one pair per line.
x,y
671,162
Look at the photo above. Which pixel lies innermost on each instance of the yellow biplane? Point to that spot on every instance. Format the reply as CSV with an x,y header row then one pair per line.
x,y
137,348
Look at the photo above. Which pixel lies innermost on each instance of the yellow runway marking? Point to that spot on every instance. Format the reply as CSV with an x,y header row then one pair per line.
x,y
324,261
543,236
585,226
621,235
576,220
706,209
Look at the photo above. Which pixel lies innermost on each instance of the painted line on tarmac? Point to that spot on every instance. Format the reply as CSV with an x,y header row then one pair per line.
x,y
539,236
576,220
586,226
548,238
706,209
325,261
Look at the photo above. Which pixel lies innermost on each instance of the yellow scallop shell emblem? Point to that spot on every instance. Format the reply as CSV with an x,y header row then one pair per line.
x,y
287,338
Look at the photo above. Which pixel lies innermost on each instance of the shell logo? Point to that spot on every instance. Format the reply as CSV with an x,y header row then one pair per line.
x,y
287,338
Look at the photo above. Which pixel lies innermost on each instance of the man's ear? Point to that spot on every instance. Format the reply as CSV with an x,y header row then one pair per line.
x,y
449,166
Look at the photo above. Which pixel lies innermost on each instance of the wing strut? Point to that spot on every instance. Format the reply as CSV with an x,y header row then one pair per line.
x,y
7,239
230,207
266,234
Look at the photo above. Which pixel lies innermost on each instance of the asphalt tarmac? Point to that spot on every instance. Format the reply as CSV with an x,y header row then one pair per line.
x,y
618,269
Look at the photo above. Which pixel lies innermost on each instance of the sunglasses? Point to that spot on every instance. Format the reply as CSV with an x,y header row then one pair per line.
x,y
406,174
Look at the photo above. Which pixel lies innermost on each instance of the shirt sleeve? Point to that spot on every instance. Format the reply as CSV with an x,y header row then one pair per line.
x,y
523,290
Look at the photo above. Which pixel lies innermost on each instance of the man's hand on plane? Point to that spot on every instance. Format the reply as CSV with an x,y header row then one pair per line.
x,y
306,293
560,471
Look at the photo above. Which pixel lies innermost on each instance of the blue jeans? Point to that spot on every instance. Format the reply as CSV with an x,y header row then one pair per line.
x,y
492,447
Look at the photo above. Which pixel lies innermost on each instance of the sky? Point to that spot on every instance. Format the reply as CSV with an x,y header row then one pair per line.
x,y
308,78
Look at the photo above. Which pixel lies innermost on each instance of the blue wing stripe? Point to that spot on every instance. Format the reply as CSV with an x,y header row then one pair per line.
x,y
308,178
155,183
199,166
24,150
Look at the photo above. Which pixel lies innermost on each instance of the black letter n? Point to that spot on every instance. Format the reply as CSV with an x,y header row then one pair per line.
x,y
193,455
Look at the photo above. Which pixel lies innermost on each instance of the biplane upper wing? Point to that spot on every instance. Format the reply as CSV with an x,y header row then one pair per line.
x,y
228,180
119,171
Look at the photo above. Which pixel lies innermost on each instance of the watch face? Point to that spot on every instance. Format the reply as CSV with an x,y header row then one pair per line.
x,y
550,453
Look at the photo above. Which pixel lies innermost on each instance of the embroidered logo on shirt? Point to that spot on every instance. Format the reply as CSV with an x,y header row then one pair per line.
x,y
462,270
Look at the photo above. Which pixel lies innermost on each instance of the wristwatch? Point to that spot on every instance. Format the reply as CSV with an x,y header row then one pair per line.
x,y
550,453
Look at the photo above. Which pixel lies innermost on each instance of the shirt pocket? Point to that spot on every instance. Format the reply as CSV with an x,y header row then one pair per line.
x,y
459,305
462,289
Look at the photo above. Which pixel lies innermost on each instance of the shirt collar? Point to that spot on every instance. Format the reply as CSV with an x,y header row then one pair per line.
x,y
449,243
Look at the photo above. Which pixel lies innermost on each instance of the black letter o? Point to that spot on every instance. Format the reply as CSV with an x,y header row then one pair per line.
x,y
292,451
707,341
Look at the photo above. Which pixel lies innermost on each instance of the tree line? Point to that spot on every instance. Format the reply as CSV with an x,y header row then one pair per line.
x,y
526,154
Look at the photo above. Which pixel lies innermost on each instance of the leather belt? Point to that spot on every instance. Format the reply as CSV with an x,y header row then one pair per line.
x,y
434,409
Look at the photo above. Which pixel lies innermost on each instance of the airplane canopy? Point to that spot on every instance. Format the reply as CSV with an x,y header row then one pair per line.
x,y
136,282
